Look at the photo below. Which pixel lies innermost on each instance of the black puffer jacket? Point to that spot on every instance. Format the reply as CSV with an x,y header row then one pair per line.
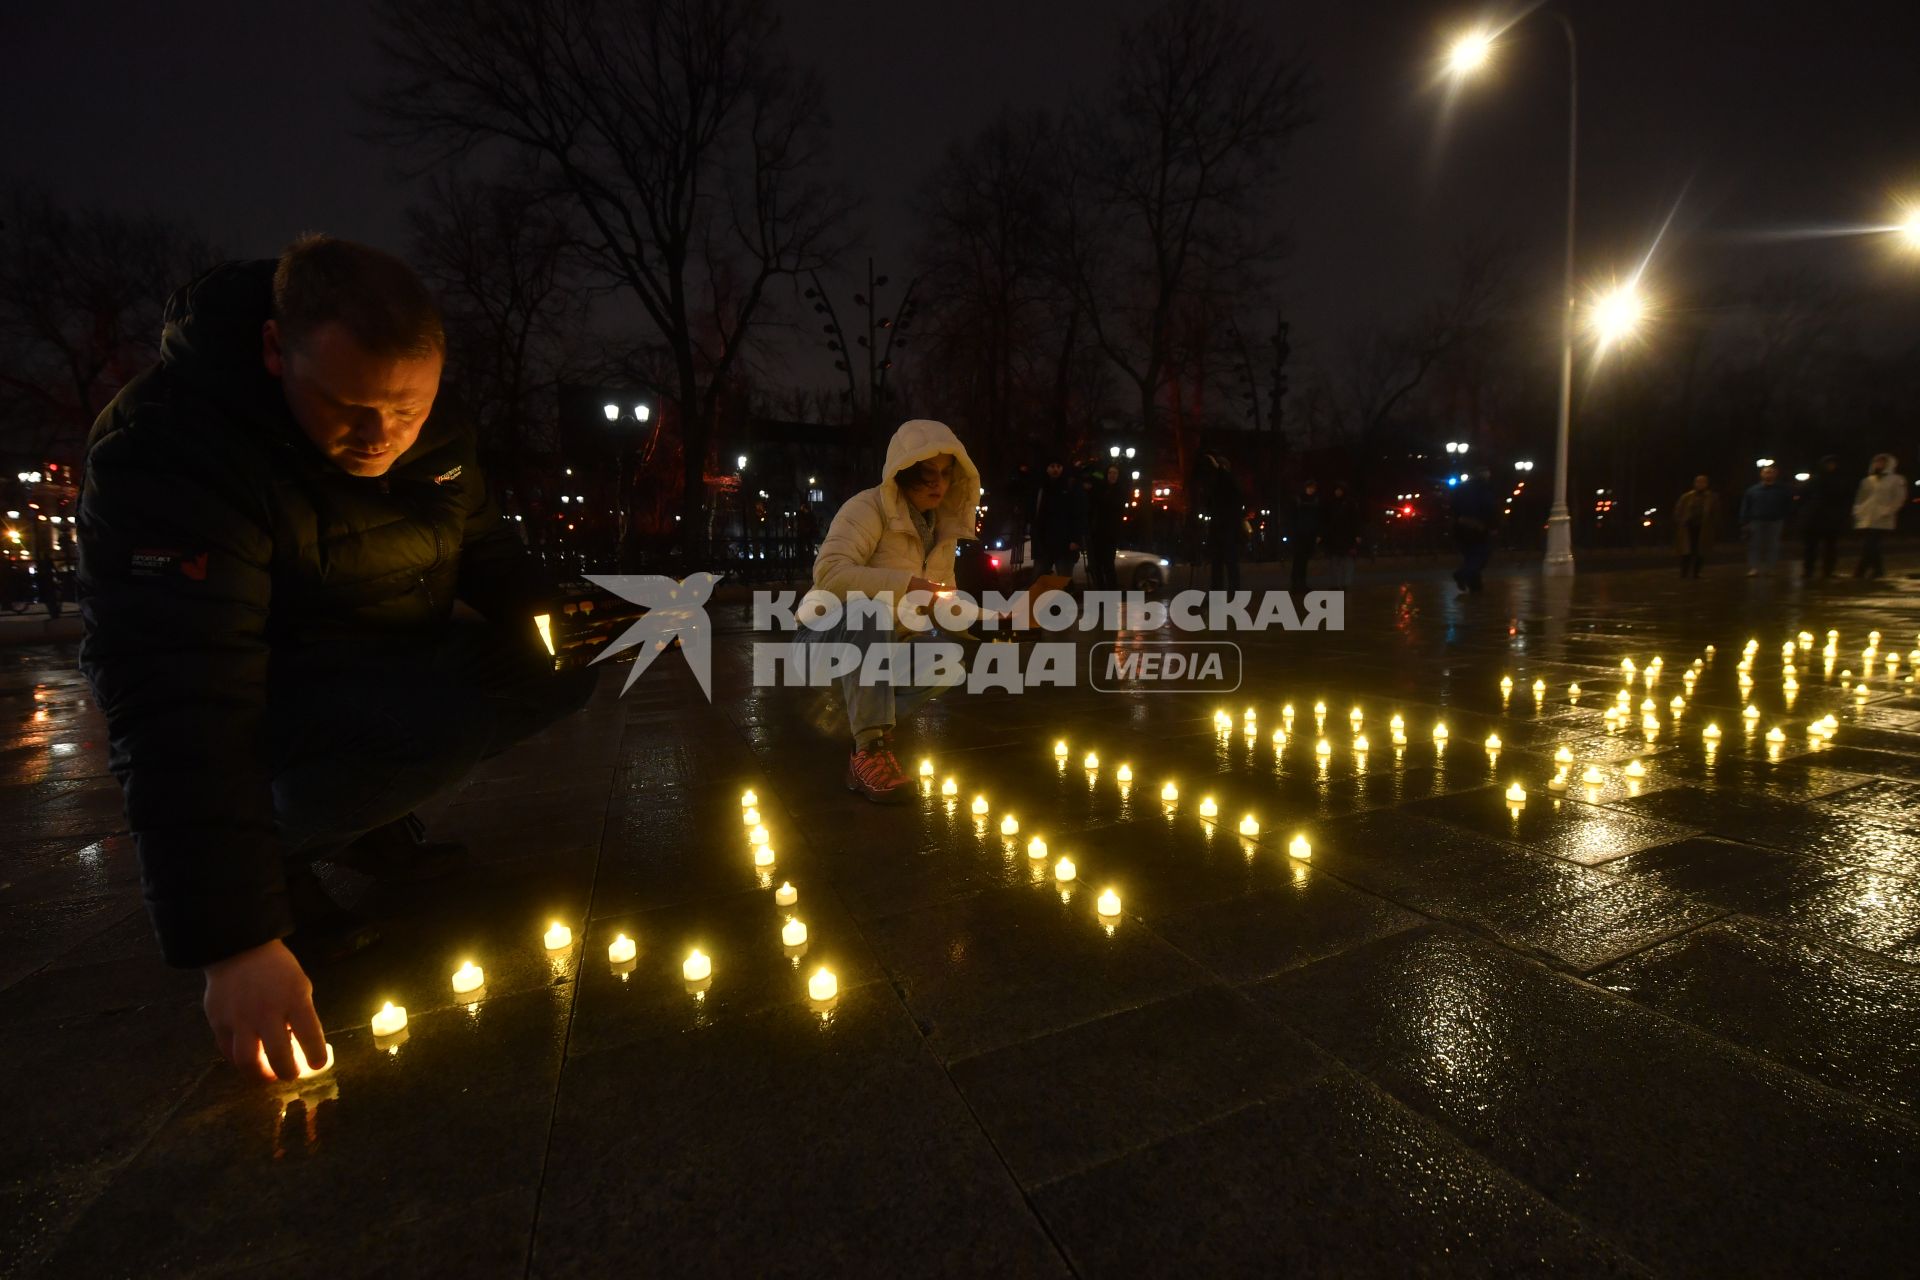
x,y
217,545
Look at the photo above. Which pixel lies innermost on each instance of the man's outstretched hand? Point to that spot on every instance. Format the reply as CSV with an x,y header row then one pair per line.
x,y
254,1000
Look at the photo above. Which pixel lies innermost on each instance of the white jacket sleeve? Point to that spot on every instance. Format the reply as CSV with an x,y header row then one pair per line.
x,y
844,564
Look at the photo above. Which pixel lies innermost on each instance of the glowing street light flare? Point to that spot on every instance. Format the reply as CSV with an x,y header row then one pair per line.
x,y
1469,53
1616,315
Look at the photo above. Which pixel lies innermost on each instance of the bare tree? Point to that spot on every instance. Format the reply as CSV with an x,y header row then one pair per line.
x,y
1171,183
81,295
687,145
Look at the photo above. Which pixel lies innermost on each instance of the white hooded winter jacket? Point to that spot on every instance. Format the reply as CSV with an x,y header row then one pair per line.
x,y
873,548
1877,502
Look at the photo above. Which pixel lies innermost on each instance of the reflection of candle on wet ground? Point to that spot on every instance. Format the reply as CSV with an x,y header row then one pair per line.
x,y
558,937
1108,903
390,1021
786,895
468,977
823,985
621,949
1064,870
793,933
698,966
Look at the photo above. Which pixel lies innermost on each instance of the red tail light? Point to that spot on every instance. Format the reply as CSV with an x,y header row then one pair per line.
x,y
993,562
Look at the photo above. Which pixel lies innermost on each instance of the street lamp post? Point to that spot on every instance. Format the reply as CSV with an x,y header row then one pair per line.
x,y
614,412
1468,55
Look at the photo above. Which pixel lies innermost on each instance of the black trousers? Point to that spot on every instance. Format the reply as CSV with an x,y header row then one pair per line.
x,y
1690,559
359,739
1823,548
1872,564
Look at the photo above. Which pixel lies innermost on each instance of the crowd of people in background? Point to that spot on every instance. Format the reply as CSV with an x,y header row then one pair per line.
x,y
1827,505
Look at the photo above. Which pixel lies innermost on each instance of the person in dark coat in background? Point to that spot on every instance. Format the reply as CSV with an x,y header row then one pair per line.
x,y
1106,504
1340,532
1826,512
1218,499
1696,518
1763,515
1057,519
1474,513
1304,527
274,530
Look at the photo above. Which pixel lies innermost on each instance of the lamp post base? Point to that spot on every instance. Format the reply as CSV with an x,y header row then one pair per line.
x,y
1559,558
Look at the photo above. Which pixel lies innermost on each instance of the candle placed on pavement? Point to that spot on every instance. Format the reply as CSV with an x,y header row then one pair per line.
x,y
786,895
468,977
622,949
391,1020
558,937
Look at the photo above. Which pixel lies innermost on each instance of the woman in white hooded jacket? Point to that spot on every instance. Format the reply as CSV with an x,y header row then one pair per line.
x,y
896,538
1876,510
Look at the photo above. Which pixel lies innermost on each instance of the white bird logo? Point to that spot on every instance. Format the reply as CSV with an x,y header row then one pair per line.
x,y
674,609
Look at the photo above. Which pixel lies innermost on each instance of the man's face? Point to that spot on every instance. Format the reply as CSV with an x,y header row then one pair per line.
x,y
1053,470
1769,474
1699,484
931,480
361,410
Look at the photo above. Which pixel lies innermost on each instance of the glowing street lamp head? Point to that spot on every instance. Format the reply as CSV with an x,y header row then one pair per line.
x,y
1469,53
1617,315
1908,228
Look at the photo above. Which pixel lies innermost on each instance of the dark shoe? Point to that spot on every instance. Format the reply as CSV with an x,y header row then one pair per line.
x,y
323,930
873,772
400,852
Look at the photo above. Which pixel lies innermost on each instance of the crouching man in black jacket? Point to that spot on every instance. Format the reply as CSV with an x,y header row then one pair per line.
x,y
274,530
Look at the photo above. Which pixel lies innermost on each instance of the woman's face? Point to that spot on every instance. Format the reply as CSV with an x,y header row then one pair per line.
x,y
931,480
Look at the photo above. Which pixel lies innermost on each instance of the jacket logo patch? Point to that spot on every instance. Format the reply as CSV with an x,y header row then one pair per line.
x,y
451,473
164,562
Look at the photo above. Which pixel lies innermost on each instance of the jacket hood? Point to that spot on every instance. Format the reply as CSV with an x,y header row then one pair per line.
x,y
916,441
210,338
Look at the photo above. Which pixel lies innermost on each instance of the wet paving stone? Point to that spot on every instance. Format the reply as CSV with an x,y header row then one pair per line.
x,y
1621,1117
1850,1020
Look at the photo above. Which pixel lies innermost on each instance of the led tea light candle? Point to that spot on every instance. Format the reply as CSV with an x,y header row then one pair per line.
x,y
786,895
390,1021
1286,714
1593,777
1397,725
1208,808
1279,739
1170,793
1124,773
750,817
1247,715
1711,733
558,937
980,806
1573,690
1064,870
793,933
1749,712
1356,717
1060,749
1539,689
1299,848
1249,826
823,986
926,766
758,835
1323,748
1108,904
1037,849
1319,708
1776,735
1516,794
1678,704
1360,744
468,977
1092,761
763,855
1709,651
1493,742
698,966
1440,732
622,949
1626,665
1009,826
1563,757
950,788
1648,706
1506,684
1558,782
748,799
1635,769
1222,721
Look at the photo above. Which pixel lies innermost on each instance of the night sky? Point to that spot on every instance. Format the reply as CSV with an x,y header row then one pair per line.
x,y
243,120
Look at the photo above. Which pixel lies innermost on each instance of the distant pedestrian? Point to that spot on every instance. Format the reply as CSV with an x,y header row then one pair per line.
x,y
1106,503
1473,527
1056,521
1340,533
1763,515
1696,518
1304,527
1217,495
1826,512
1876,511
1021,489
